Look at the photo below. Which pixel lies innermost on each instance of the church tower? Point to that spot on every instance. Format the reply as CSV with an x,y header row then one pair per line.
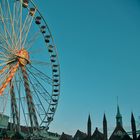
x,y
89,126
118,117
105,127
133,126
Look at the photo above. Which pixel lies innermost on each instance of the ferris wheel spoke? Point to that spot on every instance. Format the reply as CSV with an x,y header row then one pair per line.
x,y
39,74
34,77
38,50
24,114
25,29
31,106
3,55
20,24
38,94
5,52
12,24
17,18
3,59
5,103
43,95
38,112
5,39
6,62
32,40
3,69
14,20
4,25
23,100
5,49
17,86
3,75
7,33
37,104
41,63
42,78
21,32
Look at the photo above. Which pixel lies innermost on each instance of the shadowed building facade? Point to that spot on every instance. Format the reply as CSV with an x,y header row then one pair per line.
x,y
119,132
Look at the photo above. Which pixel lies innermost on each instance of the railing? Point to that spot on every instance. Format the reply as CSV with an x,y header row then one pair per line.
x,y
130,132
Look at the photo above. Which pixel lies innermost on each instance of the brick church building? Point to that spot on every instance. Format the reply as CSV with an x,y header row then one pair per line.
x,y
119,132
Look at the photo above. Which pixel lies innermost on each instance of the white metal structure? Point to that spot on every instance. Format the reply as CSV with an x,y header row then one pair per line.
x,y
29,66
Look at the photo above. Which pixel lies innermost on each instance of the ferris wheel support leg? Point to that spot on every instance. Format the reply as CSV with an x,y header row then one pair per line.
x,y
15,114
30,103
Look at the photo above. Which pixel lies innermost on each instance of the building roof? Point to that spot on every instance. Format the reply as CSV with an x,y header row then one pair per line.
x,y
79,135
65,137
97,135
126,137
119,133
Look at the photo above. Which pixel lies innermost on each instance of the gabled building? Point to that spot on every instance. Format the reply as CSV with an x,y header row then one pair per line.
x,y
65,137
119,132
79,135
97,135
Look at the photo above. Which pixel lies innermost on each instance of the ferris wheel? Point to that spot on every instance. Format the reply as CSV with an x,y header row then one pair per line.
x,y
29,66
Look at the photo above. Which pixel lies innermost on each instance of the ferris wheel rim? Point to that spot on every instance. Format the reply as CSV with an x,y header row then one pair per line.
x,y
52,65
33,3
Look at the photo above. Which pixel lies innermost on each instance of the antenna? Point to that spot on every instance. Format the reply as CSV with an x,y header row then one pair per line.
x,y
117,100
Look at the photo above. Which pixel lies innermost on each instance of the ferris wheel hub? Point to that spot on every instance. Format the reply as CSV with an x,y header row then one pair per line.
x,y
23,57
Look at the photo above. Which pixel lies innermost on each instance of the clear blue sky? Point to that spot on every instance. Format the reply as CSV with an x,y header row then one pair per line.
x,y
98,43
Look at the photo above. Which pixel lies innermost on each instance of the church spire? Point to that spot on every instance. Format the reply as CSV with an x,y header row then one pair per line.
x,y
105,127
89,126
133,126
118,117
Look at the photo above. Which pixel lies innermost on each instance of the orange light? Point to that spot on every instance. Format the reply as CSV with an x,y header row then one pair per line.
x,y
23,57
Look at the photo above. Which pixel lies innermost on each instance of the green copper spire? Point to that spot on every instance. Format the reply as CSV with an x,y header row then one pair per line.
x,y
118,117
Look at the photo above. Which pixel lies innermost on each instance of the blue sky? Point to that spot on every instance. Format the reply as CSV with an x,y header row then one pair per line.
x,y
98,42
